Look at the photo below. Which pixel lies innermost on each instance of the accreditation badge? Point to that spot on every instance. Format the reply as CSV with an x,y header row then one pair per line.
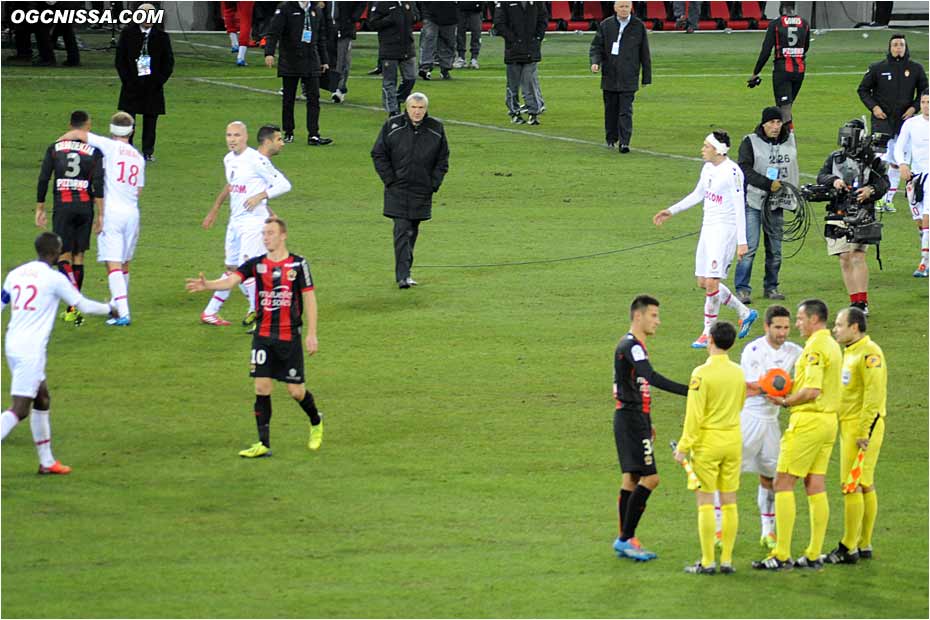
x,y
144,65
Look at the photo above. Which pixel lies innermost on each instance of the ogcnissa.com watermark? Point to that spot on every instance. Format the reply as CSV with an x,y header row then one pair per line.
x,y
87,16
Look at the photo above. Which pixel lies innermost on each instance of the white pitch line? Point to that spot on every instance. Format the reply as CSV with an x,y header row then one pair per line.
x,y
452,121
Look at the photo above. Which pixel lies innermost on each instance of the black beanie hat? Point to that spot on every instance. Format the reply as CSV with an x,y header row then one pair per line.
x,y
770,114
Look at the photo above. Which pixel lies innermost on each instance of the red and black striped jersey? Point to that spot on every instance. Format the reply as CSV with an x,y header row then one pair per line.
x,y
634,375
789,37
279,286
78,169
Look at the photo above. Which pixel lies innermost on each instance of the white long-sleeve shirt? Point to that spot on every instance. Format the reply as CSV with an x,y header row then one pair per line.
x,y
250,173
124,173
721,189
913,144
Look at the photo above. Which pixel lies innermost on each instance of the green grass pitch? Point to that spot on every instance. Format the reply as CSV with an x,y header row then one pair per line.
x,y
468,468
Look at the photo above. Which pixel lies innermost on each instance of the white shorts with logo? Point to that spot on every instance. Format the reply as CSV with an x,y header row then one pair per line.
x,y
116,243
715,251
761,440
244,240
919,210
26,373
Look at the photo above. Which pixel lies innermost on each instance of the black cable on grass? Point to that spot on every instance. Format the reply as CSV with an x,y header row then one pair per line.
x,y
563,259
797,222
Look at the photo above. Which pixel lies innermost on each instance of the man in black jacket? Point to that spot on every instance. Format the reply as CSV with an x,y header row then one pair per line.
x,y
411,156
469,14
144,61
393,21
344,16
300,28
619,50
523,26
891,90
437,38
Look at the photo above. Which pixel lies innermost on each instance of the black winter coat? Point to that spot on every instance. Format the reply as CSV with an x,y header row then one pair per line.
x,y
143,95
296,58
393,22
620,73
523,30
440,13
412,162
895,85
347,14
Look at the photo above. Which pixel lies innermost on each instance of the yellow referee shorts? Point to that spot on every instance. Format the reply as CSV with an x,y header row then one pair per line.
x,y
716,458
849,450
807,443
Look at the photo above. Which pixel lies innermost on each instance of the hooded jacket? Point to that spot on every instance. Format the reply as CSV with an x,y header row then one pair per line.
x,y
893,84
393,22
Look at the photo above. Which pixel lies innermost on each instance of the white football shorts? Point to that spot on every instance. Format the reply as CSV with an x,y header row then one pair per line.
x,y
715,251
761,439
27,373
919,210
116,243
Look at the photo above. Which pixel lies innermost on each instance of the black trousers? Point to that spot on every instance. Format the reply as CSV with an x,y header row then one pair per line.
x,y
405,238
66,31
149,123
312,92
618,116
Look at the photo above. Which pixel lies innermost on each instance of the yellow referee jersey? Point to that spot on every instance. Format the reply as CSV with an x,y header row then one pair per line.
x,y
865,384
820,366
715,397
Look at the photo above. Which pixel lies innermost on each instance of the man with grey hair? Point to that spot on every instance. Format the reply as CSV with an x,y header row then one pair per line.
x,y
411,156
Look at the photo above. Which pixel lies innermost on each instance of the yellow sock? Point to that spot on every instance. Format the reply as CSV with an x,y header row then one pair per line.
x,y
707,528
785,512
730,522
869,512
820,516
852,520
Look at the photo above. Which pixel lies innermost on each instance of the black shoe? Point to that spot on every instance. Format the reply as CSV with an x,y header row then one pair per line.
x,y
318,141
516,119
288,138
773,564
773,293
806,562
611,145
698,569
744,296
865,554
861,305
624,148
149,158
375,71
533,120
841,555
425,75
727,569
403,284
446,74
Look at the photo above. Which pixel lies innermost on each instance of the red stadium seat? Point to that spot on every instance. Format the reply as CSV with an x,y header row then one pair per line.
x,y
561,15
720,13
657,16
593,11
752,11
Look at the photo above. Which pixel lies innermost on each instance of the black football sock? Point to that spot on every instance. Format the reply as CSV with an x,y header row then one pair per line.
x,y
263,419
310,409
78,275
622,502
635,506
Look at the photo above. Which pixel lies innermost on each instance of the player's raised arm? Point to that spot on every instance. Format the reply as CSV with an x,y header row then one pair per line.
x,y
692,199
200,283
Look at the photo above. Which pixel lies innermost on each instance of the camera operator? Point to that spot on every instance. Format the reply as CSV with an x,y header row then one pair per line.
x,y
857,177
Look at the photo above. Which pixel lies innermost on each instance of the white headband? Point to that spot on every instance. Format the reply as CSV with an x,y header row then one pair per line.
x,y
719,146
120,130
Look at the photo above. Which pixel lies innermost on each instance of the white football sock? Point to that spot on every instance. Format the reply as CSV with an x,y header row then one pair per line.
x,y
924,245
248,289
242,50
42,436
218,299
8,422
126,278
718,514
894,178
119,293
234,39
729,299
711,310
765,498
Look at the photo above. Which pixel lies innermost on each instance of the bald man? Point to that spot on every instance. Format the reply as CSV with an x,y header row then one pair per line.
x,y
251,180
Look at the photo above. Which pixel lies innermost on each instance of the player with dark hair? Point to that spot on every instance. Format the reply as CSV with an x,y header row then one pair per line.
x,y
808,441
711,435
285,294
78,170
862,427
633,430
789,37
723,231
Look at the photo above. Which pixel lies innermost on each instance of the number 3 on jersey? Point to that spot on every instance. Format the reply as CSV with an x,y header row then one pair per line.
x,y
647,451
133,177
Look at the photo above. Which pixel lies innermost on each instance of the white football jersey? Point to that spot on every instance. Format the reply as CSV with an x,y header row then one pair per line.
x,y
250,173
758,358
124,173
33,291
913,144
721,189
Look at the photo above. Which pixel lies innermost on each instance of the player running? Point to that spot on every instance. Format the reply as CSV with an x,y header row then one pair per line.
x,y
285,290
33,291
251,180
78,170
723,230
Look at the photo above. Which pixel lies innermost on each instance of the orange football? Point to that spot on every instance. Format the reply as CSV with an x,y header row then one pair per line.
x,y
775,382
